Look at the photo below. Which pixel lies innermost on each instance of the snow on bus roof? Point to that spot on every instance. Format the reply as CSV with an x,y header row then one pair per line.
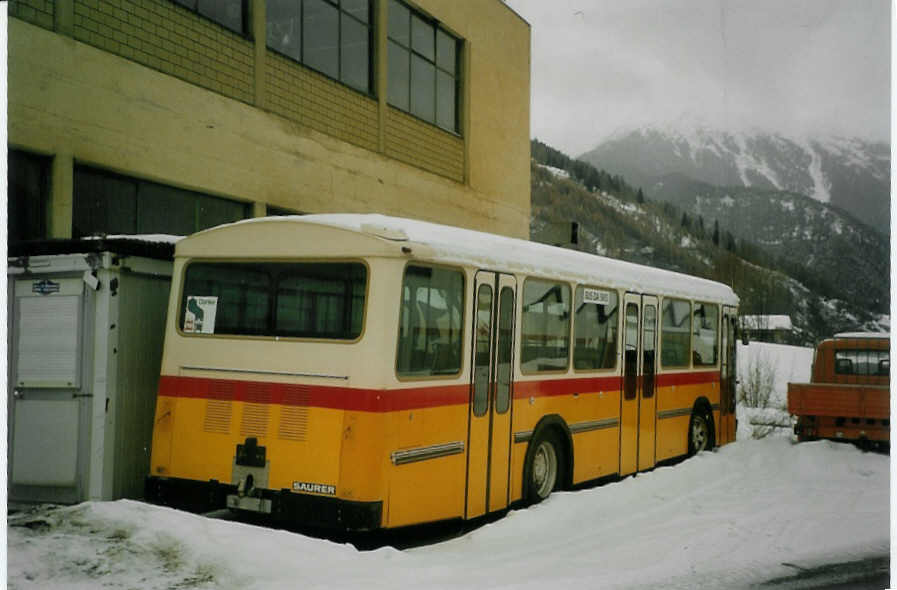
x,y
491,251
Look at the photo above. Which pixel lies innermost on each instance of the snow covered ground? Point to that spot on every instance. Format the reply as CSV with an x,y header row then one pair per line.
x,y
783,364
747,513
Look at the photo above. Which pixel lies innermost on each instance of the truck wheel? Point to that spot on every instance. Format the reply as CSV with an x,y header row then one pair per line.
x,y
543,467
698,433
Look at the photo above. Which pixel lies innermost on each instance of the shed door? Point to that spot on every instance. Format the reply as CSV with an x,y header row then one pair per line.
x,y
47,406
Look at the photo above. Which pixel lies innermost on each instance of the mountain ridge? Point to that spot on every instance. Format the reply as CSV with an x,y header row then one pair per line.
x,y
850,173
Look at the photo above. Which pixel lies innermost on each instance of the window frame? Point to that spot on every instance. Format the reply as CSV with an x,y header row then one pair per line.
x,y
661,366
885,352
717,340
182,280
460,43
140,184
522,311
463,331
371,91
245,23
573,329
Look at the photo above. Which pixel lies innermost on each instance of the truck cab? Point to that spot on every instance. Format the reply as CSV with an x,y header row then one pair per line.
x,y
848,397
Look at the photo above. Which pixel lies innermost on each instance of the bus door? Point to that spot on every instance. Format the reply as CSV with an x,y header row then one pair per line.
x,y
647,400
727,378
491,393
629,400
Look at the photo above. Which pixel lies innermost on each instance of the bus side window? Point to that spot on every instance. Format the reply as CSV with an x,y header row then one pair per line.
x,y
430,322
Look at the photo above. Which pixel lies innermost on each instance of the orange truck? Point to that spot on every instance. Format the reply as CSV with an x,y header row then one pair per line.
x,y
848,397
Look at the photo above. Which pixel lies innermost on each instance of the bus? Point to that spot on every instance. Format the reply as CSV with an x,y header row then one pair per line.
x,y
359,372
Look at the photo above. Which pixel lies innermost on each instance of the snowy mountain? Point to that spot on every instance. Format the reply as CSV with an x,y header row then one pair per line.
x,y
849,173
805,236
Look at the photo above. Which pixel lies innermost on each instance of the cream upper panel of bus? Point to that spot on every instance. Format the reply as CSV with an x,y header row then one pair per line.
x,y
362,362
289,237
359,235
452,245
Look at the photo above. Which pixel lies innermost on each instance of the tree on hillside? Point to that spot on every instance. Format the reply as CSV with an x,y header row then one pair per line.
x,y
716,233
640,196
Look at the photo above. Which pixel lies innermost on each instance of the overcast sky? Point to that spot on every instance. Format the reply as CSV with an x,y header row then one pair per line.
x,y
599,66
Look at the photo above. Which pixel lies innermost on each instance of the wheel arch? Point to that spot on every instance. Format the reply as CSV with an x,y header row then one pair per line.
x,y
702,404
557,425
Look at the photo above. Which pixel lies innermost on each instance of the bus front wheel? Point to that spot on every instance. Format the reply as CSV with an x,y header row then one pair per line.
x,y
543,467
698,433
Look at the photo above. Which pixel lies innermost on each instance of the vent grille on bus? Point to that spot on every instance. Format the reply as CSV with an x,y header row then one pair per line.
x,y
255,420
217,418
294,413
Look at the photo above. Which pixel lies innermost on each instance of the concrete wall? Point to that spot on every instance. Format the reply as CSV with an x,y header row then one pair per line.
x,y
148,89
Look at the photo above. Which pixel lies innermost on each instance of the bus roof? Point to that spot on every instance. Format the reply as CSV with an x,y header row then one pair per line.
x,y
493,252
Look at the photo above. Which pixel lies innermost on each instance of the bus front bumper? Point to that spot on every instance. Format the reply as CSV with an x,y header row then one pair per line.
x,y
281,505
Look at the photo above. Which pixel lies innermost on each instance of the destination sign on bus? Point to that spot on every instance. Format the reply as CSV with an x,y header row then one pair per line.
x,y
595,296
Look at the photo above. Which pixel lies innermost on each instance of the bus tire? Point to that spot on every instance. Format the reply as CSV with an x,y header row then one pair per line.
x,y
544,470
700,437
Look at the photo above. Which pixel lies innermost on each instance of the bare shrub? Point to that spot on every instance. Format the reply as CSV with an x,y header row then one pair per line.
x,y
758,382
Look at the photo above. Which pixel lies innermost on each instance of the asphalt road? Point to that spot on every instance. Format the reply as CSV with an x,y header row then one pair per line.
x,y
866,574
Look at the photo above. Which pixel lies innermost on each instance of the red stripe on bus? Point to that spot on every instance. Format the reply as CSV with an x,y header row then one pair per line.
x,y
551,387
319,396
696,378
390,400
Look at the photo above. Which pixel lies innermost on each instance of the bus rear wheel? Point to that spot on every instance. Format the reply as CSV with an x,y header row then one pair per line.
x,y
699,437
543,468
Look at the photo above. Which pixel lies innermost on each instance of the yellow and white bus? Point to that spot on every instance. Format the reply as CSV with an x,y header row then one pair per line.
x,y
363,371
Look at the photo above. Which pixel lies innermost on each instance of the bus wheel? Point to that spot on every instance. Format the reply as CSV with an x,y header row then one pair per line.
x,y
543,467
698,433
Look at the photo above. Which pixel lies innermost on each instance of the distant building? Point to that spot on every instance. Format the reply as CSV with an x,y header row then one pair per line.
x,y
768,328
171,116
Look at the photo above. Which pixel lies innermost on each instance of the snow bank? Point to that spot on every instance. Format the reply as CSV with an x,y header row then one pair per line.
x,y
787,364
720,520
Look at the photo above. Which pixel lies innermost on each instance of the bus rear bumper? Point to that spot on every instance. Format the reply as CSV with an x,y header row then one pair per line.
x,y
282,506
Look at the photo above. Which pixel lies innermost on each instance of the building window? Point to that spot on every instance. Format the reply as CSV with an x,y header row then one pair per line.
x,y
29,191
106,203
423,67
230,14
273,210
330,36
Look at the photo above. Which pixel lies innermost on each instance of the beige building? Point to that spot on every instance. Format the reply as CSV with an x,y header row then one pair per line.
x,y
169,116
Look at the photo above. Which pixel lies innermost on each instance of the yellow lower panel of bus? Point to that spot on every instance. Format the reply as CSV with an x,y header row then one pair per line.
x,y
301,444
596,452
425,462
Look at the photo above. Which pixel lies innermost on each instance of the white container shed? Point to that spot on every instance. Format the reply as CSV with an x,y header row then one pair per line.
x,y
85,323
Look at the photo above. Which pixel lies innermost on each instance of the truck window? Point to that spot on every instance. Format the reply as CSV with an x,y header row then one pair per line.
x,y
863,362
